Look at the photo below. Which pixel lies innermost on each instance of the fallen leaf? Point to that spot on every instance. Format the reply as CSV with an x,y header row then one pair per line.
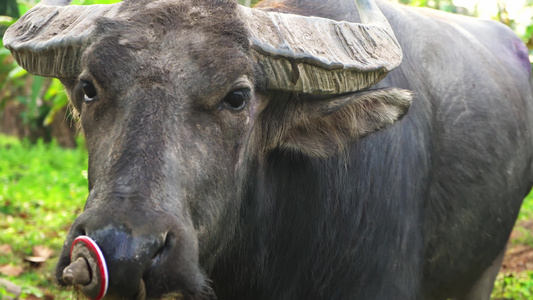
x,y
11,288
35,259
48,296
11,270
5,249
32,297
42,251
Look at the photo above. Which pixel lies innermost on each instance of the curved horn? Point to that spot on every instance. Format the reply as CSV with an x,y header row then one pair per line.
x,y
50,38
321,56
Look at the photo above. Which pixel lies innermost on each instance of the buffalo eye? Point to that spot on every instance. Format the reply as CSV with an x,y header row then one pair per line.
x,y
88,90
236,100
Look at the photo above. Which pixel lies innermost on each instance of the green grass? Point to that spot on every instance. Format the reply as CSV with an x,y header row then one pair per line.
x,y
526,212
515,286
43,188
518,286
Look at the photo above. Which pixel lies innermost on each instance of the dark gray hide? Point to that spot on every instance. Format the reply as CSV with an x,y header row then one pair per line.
x,y
225,159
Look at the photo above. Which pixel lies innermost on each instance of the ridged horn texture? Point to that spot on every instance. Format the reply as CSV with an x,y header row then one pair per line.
x,y
50,38
321,56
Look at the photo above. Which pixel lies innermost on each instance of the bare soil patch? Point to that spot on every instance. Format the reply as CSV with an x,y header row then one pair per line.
x,y
518,257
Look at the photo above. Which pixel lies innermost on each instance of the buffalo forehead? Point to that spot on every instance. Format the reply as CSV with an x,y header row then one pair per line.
x,y
181,43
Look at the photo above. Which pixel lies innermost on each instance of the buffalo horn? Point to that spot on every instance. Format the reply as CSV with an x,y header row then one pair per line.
x,y
321,56
50,38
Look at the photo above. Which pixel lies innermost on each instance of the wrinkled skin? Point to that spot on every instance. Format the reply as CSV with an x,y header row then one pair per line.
x,y
146,172
197,173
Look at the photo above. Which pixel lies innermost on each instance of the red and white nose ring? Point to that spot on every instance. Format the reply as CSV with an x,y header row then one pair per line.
x,y
87,269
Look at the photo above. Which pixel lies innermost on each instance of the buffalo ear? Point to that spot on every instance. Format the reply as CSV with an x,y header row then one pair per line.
x,y
324,127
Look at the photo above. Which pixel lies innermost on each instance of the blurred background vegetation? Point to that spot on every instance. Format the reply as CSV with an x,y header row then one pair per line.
x,y
43,163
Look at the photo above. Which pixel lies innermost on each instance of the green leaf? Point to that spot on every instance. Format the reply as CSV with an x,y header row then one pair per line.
x,y
9,8
17,72
7,21
36,88
4,52
55,88
60,101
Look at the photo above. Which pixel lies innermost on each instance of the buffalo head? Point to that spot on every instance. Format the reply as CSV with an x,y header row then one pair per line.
x,y
180,102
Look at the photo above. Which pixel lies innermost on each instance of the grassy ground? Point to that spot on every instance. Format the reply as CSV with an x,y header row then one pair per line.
x,y
43,188
515,280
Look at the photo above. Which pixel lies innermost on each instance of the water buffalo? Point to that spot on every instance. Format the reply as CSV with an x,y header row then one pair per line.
x,y
251,153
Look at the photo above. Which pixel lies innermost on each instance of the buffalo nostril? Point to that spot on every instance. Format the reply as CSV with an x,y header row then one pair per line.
x,y
78,272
